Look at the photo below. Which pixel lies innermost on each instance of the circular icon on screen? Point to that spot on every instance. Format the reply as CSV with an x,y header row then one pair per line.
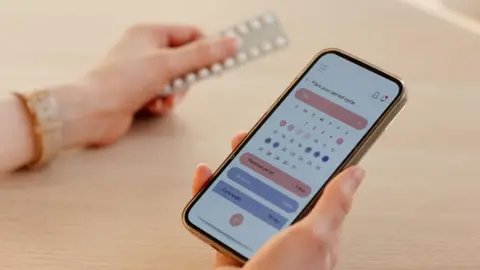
x,y
236,220
283,123
290,127
325,158
339,141
316,154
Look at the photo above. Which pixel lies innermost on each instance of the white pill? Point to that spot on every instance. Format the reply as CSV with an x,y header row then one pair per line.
x,y
203,73
255,24
177,83
268,18
241,57
216,68
267,46
191,78
242,28
254,51
229,62
280,41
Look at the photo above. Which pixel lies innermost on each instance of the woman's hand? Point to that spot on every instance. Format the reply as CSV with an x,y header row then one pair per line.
x,y
99,107
312,243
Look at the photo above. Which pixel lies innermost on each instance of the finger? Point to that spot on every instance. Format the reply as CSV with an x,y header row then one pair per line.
x,y
335,248
328,215
166,35
201,177
162,106
203,173
155,107
199,54
221,260
178,35
237,139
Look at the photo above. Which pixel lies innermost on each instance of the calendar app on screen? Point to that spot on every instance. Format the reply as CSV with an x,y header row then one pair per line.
x,y
293,153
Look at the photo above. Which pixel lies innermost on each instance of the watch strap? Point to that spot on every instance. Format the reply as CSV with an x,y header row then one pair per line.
x,y
46,125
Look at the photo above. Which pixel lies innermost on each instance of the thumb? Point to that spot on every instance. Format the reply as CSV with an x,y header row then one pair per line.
x,y
329,213
198,54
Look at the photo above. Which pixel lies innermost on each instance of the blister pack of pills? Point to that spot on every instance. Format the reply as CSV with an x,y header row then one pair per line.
x,y
258,36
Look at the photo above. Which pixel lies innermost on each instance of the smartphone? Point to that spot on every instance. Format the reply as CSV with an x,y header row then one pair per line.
x,y
322,123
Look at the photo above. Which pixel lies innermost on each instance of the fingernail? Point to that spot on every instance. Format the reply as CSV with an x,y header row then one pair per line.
x,y
353,180
201,165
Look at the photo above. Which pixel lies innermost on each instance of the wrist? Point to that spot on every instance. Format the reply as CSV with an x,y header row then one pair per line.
x,y
90,117
81,122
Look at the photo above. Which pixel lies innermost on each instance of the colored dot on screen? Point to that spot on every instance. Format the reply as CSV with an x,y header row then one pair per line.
x,y
308,150
316,154
268,140
325,158
236,220
276,144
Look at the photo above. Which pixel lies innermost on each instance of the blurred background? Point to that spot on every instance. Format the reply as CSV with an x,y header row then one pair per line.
x,y
119,208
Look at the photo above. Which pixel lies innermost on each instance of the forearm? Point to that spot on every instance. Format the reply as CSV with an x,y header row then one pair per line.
x,y
16,143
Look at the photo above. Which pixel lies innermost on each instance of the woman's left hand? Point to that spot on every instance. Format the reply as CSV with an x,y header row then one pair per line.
x,y
98,108
310,244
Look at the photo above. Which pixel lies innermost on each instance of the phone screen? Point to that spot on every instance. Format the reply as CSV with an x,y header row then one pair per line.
x,y
292,153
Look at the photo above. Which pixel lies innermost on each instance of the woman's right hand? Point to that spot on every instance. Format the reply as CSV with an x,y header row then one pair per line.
x,y
98,108
312,243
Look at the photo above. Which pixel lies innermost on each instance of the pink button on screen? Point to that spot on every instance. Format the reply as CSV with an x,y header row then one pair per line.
x,y
276,175
236,220
332,109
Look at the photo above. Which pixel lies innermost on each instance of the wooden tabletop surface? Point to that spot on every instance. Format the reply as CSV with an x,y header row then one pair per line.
x,y
119,207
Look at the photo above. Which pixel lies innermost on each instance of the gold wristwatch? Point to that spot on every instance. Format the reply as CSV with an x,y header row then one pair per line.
x,y
46,125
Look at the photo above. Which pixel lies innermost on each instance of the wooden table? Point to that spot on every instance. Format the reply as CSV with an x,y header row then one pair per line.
x,y
119,208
